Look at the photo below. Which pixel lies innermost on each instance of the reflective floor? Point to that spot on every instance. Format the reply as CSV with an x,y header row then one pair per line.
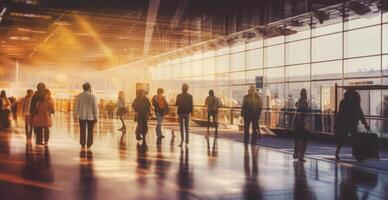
x,y
117,167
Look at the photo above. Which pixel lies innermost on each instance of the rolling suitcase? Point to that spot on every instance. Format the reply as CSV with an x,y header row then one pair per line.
x,y
365,145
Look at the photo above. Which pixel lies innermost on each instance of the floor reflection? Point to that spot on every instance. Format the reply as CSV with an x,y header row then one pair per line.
x,y
120,167
87,180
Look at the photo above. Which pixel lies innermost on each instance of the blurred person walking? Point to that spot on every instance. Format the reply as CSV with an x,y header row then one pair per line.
x,y
86,112
184,102
300,124
4,110
121,109
251,111
161,108
26,106
41,87
213,103
41,120
142,107
347,118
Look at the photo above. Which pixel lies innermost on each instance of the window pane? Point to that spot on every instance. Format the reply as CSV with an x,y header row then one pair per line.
x,y
222,51
255,59
238,93
323,94
326,70
327,29
294,89
274,96
302,33
222,63
208,80
185,59
176,71
298,73
250,76
185,69
237,48
195,57
208,66
298,52
222,79
327,47
274,56
362,42
255,44
362,67
362,21
385,65
274,75
196,68
385,38
274,40
208,54
385,17
238,61
237,78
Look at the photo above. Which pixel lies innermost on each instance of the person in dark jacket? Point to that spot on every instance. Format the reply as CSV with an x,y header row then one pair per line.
x,y
161,109
184,102
142,107
301,135
347,118
212,103
251,111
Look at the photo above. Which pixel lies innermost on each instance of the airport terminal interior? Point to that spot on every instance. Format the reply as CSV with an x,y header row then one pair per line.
x,y
310,76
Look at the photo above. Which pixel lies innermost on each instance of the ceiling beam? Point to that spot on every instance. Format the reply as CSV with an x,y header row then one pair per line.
x,y
178,13
153,8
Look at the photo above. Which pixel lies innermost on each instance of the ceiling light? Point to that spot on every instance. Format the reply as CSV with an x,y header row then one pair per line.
x,y
359,8
321,15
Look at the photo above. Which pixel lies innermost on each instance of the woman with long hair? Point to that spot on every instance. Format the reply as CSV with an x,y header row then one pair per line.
x,y
42,119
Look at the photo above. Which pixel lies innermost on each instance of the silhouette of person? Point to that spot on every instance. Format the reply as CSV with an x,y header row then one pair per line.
x,y
301,134
251,111
184,102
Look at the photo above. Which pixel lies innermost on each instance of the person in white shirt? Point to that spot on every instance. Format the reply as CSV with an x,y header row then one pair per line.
x,y
86,111
26,106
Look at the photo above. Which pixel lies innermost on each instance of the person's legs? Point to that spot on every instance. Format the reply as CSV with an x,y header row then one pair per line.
x,y
340,140
181,127
209,114
138,129
303,146
121,113
90,125
27,126
38,133
159,118
247,122
46,132
254,131
215,120
187,121
82,128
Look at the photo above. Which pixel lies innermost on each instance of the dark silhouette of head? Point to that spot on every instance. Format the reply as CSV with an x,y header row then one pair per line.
x,y
30,92
211,92
303,93
41,87
160,91
86,86
185,88
3,94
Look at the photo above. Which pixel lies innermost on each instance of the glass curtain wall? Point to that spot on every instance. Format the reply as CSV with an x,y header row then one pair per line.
x,y
316,57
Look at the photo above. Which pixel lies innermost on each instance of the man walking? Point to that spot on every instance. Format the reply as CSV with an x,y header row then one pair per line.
x,y
38,96
184,102
161,109
250,111
26,106
86,111
213,103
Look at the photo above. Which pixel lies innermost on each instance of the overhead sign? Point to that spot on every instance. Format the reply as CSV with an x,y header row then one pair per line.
x,y
357,83
259,81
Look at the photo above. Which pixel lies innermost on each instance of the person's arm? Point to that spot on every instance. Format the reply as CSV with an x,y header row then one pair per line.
x,y
166,104
243,107
33,106
362,118
191,104
206,101
177,102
